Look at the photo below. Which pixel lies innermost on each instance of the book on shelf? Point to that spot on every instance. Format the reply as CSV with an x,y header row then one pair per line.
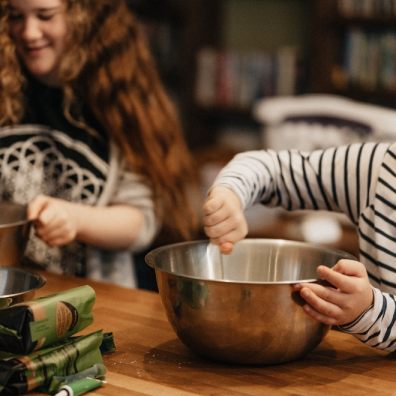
x,y
367,8
237,79
369,59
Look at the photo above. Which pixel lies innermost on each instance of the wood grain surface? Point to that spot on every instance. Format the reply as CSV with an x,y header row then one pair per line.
x,y
150,360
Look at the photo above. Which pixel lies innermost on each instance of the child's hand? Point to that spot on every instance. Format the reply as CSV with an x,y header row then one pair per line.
x,y
54,220
224,221
351,295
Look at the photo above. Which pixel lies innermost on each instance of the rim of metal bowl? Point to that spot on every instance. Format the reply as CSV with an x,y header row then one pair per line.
x,y
15,223
149,258
7,205
41,280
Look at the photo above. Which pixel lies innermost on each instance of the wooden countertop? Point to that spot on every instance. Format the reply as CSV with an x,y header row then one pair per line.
x,y
150,360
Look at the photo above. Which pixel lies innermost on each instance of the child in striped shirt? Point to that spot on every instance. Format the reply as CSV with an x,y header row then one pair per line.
x,y
358,180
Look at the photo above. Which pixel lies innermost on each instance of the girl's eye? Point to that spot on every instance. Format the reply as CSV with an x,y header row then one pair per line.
x,y
45,17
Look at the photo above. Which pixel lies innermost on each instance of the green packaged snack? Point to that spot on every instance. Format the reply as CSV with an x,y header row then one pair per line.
x,y
35,324
21,374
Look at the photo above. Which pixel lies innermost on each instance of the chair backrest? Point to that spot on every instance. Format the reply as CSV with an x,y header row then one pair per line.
x,y
309,122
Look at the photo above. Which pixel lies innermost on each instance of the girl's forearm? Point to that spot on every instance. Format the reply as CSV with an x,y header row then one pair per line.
x,y
110,227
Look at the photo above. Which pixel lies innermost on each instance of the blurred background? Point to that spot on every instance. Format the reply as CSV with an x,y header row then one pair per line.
x,y
251,74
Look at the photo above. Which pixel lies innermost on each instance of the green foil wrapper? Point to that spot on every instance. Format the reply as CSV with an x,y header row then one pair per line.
x,y
21,374
97,371
36,324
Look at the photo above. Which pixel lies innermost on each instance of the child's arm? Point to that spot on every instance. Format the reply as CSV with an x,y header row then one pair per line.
x,y
59,222
324,179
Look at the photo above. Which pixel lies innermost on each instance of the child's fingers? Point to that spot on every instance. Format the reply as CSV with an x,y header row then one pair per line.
x,y
226,247
212,205
325,293
229,230
341,281
232,236
350,267
219,229
328,320
217,217
322,307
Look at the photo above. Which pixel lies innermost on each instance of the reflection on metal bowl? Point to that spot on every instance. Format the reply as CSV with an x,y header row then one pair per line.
x,y
18,285
14,233
240,308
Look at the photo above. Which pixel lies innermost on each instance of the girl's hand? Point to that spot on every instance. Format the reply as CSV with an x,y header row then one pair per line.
x,y
350,296
224,220
54,219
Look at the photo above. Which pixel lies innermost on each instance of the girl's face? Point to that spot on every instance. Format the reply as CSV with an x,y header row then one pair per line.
x,y
38,28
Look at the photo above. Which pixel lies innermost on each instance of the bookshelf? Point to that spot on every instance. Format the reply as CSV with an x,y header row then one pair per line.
x,y
217,57
176,30
261,50
356,50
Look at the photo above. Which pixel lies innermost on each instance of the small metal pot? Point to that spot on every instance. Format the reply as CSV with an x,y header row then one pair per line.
x,y
241,308
14,233
18,285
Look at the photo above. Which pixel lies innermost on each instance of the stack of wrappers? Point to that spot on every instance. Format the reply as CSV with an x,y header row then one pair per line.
x,y
38,349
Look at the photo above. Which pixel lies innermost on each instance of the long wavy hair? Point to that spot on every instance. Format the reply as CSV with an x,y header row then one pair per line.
x,y
107,66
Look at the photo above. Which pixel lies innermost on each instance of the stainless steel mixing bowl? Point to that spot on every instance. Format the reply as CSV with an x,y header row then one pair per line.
x,y
14,233
240,308
17,285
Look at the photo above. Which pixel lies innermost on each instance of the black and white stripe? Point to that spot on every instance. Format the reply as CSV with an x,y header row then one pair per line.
x,y
358,180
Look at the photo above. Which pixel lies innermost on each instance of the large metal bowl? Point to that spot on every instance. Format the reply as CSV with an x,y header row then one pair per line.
x,y
240,308
14,233
18,285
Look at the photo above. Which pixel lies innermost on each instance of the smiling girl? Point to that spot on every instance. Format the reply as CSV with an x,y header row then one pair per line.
x,y
89,138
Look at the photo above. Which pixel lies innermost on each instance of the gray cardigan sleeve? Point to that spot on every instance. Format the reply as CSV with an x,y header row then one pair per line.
x,y
132,190
128,188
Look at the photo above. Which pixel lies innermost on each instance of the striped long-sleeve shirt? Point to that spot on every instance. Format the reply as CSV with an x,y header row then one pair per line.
x,y
358,180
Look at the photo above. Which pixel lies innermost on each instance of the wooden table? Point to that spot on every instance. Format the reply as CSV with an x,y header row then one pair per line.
x,y
150,360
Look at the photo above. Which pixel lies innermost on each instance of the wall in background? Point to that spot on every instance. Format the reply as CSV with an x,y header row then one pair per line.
x,y
265,24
